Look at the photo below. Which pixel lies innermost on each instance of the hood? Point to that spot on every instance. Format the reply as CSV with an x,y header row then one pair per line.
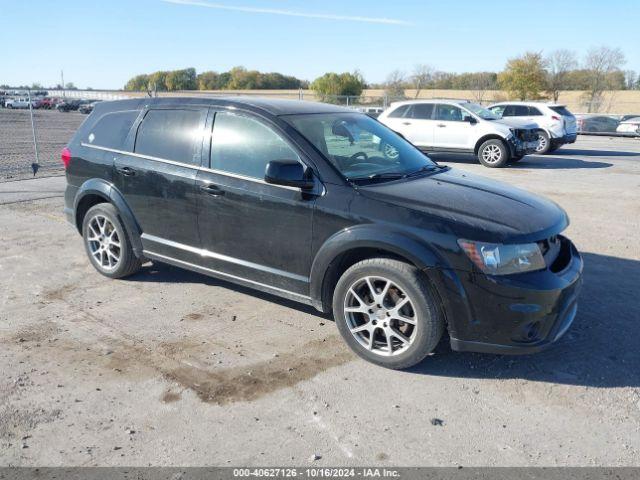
x,y
475,207
517,122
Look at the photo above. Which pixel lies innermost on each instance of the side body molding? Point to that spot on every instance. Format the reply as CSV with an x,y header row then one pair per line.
x,y
375,236
110,193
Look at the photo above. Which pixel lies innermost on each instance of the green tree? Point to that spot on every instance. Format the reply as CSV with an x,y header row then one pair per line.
x,y
524,77
181,79
137,83
330,85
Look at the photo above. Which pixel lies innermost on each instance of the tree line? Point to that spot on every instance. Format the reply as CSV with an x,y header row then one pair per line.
x,y
238,78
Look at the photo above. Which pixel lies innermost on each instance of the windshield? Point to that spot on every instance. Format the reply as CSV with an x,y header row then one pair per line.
x,y
480,111
359,146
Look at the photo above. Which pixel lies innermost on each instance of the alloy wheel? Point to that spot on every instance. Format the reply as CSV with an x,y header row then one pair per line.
x,y
104,242
380,316
492,154
542,143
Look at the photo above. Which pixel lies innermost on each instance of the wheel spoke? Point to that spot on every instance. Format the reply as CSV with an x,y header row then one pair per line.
x,y
361,328
389,343
400,337
371,335
371,288
357,297
360,309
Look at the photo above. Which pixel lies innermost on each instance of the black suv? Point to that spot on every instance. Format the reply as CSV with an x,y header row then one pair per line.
x,y
328,207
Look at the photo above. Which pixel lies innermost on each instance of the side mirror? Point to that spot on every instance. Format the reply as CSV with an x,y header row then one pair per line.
x,y
471,119
289,173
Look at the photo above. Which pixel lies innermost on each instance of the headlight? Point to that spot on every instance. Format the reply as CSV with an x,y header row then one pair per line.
x,y
503,259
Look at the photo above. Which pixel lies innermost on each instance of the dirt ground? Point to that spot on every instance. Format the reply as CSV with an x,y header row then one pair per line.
x,y
53,130
173,368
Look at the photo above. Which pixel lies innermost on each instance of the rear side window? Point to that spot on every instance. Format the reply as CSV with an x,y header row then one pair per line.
x,y
421,111
399,112
449,113
243,145
561,111
111,130
172,135
534,112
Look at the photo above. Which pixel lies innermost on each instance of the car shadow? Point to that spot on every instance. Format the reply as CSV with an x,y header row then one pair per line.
x,y
596,153
165,273
545,162
601,349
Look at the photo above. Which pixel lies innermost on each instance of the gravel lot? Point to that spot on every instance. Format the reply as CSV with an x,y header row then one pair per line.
x,y
53,130
173,368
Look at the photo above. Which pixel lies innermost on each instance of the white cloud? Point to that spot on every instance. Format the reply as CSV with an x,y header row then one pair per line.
x,y
290,13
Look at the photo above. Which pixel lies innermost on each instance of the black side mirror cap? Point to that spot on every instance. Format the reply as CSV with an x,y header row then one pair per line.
x,y
289,173
471,119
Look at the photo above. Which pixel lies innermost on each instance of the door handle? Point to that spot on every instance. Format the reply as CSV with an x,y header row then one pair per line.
x,y
406,123
441,125
211,189
126,171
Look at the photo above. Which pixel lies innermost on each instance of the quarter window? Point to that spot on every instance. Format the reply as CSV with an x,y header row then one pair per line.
x,y
534,112
399,112
448,113
172,135
244,146
112,129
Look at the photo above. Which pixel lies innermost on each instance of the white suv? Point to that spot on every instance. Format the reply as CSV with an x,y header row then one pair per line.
x,y
557,124
461,126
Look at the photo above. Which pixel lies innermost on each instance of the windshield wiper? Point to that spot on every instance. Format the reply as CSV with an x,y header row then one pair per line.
x,y
425,168
390,175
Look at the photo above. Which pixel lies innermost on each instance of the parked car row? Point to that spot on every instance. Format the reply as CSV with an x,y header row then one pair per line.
x,y
594,124
460,126
12,100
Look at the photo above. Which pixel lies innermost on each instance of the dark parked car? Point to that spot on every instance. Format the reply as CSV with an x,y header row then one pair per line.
x,y
300,200
586,123
69,105
88,107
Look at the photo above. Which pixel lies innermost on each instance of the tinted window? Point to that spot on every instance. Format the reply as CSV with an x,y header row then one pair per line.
x,y
521,110
498,110
421,111
112,129
172,135
534,112
244,146
509,111
449,113
399,112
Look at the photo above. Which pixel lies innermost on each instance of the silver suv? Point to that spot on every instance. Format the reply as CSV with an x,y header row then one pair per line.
x,y
461,126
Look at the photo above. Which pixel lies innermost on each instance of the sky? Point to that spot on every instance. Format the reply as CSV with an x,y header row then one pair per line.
x,y
103,43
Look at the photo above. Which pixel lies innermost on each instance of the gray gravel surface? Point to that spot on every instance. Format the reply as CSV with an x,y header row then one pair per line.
x,y
173,368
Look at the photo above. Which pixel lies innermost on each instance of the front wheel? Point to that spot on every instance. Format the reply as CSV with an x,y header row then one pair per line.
x,y
493,154
544,144
386,312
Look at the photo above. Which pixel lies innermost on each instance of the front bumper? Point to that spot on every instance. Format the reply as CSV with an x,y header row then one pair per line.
x,y
519,148
513,314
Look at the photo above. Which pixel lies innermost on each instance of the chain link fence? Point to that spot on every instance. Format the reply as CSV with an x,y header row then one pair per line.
x,y
31,139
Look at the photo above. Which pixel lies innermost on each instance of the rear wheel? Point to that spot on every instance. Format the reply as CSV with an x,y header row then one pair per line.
x,y
493,153
544,143
107,243
386,312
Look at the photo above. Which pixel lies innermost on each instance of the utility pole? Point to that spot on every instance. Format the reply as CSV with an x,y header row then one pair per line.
x,y
62,80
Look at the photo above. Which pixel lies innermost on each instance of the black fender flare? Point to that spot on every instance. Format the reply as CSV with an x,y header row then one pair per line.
x,y
111,194
367,236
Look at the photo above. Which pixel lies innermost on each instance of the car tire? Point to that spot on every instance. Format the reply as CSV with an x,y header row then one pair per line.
x,y
402,292
493,154
544,142
107,243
